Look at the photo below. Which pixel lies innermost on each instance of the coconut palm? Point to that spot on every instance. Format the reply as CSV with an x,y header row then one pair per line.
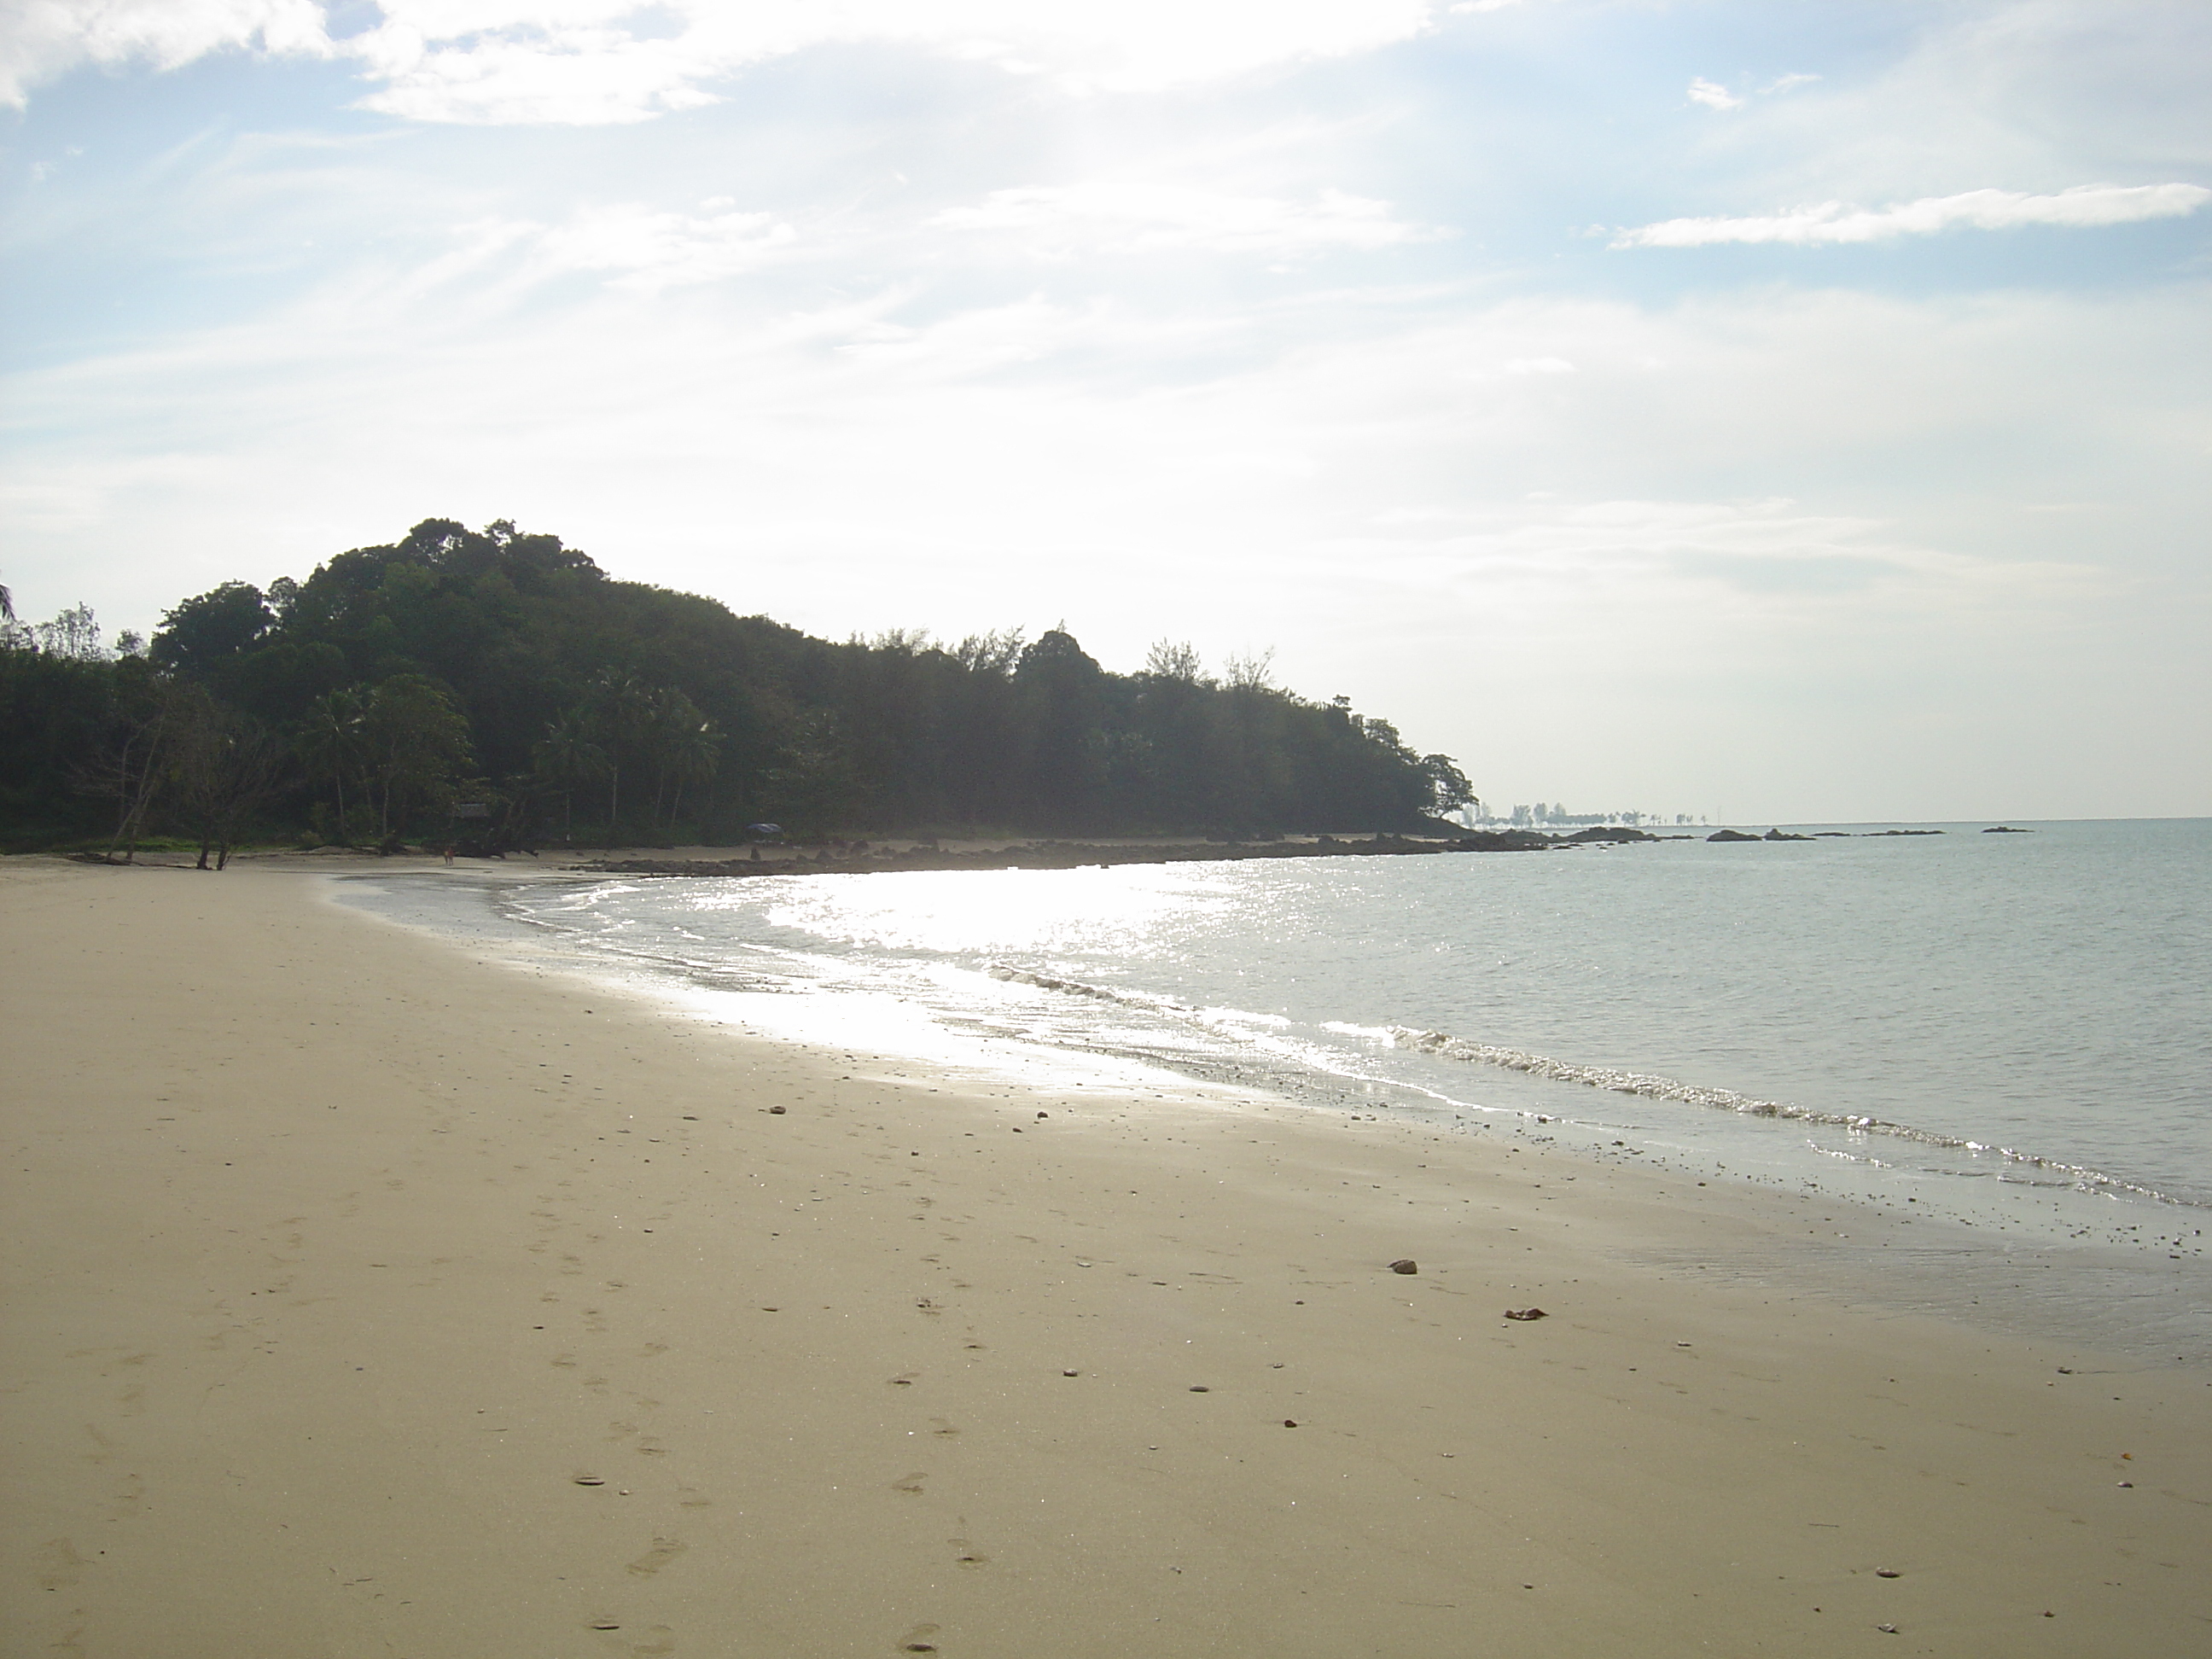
x,y
618,713
331,739
565,757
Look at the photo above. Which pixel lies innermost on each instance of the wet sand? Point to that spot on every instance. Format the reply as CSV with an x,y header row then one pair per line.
x,y
364,1298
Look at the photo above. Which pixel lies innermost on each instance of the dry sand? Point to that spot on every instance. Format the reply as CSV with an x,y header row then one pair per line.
x,y
364,1298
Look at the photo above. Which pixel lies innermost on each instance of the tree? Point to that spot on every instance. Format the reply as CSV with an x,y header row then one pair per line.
x,y
1061,693
814,783
1448,789
131,768
617,712
1169,659
1249,673
683,745
415,743
332,738
74,634
200,635
566,758
226,767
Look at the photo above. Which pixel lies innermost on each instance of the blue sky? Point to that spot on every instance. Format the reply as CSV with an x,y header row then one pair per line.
x,y
1783,411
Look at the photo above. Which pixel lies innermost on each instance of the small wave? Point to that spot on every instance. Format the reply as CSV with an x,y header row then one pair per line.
x,y
1445,1046
1102,992
1448,1047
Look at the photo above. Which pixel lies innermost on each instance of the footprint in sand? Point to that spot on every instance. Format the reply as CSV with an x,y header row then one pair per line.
x,y
59,1567
967,1554
911,1484
917,1640
128,1497
664,1550
944,1431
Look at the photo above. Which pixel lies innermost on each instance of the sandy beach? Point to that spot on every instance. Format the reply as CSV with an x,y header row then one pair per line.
x,y
366,1297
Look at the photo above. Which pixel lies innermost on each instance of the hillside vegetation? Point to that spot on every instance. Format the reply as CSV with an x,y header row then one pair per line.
x,y
500,689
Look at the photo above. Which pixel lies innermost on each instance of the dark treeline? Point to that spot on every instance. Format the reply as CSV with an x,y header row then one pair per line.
x,y
501,689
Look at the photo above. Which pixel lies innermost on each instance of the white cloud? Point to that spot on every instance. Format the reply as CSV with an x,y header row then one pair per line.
x,y
1139,216
1712,95
2081,206
1788,83
585,73
651,251
599,62
43,39
1727,548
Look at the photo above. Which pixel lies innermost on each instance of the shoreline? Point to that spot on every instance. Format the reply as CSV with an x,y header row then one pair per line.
x,y
837,855
2090,1262
338,1256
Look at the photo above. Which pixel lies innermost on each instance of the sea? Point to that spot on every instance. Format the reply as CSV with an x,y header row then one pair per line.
x,y
2010,1033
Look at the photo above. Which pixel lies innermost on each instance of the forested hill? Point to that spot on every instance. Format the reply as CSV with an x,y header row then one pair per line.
x,y
495,669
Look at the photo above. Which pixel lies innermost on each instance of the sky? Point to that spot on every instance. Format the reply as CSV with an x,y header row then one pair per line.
x,y
1774,411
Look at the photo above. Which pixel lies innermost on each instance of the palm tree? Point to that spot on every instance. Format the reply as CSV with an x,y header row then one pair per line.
x,y
330,742
566,757
616,711
691,752
683,745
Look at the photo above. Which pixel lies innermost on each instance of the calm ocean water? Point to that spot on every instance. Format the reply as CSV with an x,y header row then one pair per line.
x,y
2013,1031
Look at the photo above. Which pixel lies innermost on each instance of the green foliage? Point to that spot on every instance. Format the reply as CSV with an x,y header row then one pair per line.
x,y
414,745
510,666
200,635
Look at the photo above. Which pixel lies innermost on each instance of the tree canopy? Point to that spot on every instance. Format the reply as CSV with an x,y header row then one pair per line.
x,y
508,669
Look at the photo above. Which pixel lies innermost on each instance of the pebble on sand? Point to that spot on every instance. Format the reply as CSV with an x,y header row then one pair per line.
x,y
1405,1264
1526,1313
775,1111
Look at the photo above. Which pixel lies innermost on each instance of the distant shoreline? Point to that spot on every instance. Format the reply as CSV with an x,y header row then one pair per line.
x,y
862,857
